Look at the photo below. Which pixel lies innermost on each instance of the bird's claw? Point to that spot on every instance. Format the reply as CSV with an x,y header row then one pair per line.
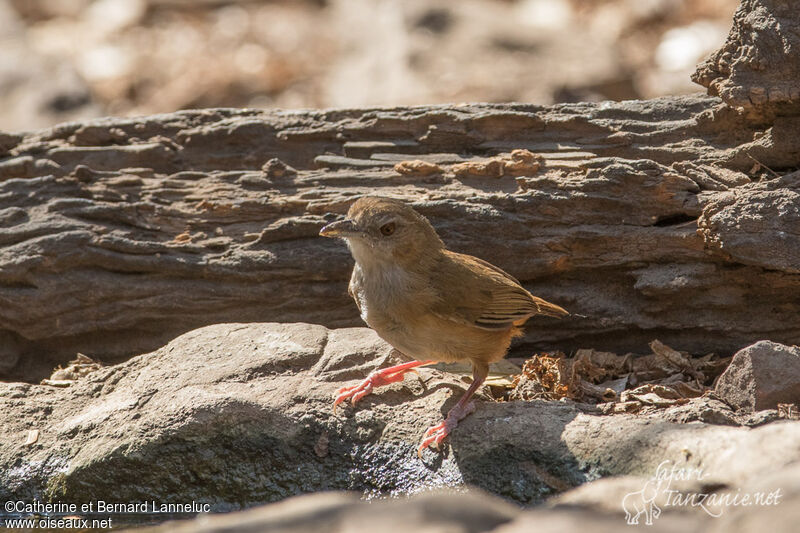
x,y
434,436
356,392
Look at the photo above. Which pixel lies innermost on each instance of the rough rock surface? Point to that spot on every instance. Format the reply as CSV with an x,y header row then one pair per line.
x,y
757,68
118,235
239,414
456,513
737,225
761,376
595,507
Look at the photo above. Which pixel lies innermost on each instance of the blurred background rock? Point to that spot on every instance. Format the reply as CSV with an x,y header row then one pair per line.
x,y
72,59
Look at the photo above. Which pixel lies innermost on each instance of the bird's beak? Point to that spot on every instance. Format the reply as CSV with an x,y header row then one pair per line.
x,y
341,228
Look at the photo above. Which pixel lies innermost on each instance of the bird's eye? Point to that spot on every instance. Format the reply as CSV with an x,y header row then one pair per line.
x,y
388,229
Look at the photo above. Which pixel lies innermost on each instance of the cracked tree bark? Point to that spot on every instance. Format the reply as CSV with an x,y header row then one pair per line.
x,y
676,218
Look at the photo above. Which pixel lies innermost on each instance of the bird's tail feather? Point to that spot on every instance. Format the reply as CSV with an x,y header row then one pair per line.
x,y
548,309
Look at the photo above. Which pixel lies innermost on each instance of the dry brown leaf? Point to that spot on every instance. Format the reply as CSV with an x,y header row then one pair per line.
x,y
690,390
61,383
31,437
553,372
676,359
619,407
597,392
663,378
596,366
651,394
77,368
790,411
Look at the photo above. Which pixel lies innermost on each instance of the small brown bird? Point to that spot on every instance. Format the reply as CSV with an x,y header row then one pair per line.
x,y
428,302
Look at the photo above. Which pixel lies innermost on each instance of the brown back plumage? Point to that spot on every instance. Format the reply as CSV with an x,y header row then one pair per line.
x,y
475,292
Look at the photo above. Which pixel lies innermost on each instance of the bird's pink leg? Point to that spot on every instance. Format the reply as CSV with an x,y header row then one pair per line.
x,y
376,379
436,434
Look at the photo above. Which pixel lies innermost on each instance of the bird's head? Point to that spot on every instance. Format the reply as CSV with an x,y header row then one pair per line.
x,y
379,230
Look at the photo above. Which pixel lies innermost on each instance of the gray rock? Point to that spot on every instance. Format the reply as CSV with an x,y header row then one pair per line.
x,y
781,516
596,507
737,225
434,512
234,415
761,376
467,512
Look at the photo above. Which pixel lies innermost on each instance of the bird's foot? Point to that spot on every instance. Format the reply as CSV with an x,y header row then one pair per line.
x,y
356,392
436,434
375,379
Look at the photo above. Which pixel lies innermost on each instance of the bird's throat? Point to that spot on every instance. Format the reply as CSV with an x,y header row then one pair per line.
x,y
381,274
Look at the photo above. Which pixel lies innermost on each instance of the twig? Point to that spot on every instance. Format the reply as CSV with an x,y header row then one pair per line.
x,y
764,166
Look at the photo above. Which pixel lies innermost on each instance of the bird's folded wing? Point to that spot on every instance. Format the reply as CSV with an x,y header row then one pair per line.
x,y
479,294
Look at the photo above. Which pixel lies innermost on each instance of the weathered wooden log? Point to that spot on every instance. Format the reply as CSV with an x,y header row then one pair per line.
x,y
120,234
676,218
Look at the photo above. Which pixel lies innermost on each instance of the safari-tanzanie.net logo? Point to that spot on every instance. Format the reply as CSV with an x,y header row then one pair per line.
x,y
658,493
